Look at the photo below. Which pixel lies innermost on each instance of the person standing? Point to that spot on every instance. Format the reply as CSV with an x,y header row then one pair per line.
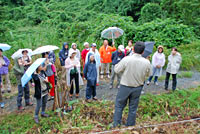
x,y
1,97
41,92
84,53
22,91
4,64
50,74
129,48
158,61
52,57
117,56
96,54
174,62
105,54
134,70
63,55
72,64
78,54
90,73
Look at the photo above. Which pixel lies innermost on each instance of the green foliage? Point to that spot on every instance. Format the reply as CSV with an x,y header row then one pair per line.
x,y
150,12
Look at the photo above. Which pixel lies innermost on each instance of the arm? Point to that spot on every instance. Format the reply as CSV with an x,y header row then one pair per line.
x,y
149,70
163,63
113,49
83,54
78,63
112,57
120,66
154,60
85,71
7,61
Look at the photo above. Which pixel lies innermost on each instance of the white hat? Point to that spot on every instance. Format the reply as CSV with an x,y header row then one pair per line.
x,y
74,44
94,45
86,43
121,47
71,51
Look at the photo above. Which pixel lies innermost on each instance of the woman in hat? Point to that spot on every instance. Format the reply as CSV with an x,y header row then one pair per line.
x,y
158,61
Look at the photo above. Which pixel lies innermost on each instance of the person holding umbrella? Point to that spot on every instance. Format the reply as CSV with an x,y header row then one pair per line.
x,y
22,91
47,67
117,56
158,61
105,54
72,64
4,64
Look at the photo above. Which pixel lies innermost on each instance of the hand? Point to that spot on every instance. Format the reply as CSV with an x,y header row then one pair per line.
x,y
113,43
148,57
158,66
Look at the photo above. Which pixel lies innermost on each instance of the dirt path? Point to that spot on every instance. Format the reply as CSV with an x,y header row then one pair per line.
x,y
103,91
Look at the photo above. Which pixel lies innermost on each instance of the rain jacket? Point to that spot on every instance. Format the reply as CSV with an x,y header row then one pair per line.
x,y
18,71
90,72
4,68
106,53
52,57
117,57
174,63
63,56
96,55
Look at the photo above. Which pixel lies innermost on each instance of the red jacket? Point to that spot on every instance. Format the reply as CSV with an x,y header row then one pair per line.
x,y
84,53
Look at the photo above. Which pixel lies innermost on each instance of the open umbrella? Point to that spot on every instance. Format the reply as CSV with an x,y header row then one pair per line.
x,y
44,49
28,74
148,48
18,53
112,33
4,47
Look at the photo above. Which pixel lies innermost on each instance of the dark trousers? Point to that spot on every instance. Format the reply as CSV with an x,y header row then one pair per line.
x,y
41,103
1,97
23,91
76,78
155,79
90,91
174,81
125,94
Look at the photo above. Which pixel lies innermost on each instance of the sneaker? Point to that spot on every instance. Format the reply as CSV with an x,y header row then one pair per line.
x,y
36,120
29,104
95,98
156,83
44,115
9,91
88,100
97,84
108,76
148,82
3,92
77,96
111,87
21,108
101,76
2,104
142,92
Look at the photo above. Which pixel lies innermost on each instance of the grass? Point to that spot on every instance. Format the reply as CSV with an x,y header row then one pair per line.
x,y
97,116
182,74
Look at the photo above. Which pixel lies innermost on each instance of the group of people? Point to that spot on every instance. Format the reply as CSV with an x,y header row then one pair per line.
x,y
127,64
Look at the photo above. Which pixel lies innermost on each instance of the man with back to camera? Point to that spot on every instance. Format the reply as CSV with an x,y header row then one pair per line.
x,y
134,71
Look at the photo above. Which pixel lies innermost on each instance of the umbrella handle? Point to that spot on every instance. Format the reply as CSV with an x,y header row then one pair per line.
x,y
113,40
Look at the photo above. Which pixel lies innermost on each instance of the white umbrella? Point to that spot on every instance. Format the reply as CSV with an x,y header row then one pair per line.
x,y
18,53
112,33
44,49
4,47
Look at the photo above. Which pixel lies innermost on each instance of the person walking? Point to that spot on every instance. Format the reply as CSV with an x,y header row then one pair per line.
x,y
4,64
72,64
48,68
117,56
90,73
41,92
105,55
84,53
63,55
78,54
22,91
158,61
134,70
96,54
174,62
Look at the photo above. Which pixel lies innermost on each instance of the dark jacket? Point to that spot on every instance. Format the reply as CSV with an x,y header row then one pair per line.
x,y
90,72
52,57
63,54
18,71
38,92
117,57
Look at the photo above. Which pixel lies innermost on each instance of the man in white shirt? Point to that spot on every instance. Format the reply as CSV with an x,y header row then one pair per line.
x,y
134,71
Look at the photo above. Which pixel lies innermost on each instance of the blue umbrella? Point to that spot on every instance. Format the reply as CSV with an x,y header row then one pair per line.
x,y
148,48
4,47
28,74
